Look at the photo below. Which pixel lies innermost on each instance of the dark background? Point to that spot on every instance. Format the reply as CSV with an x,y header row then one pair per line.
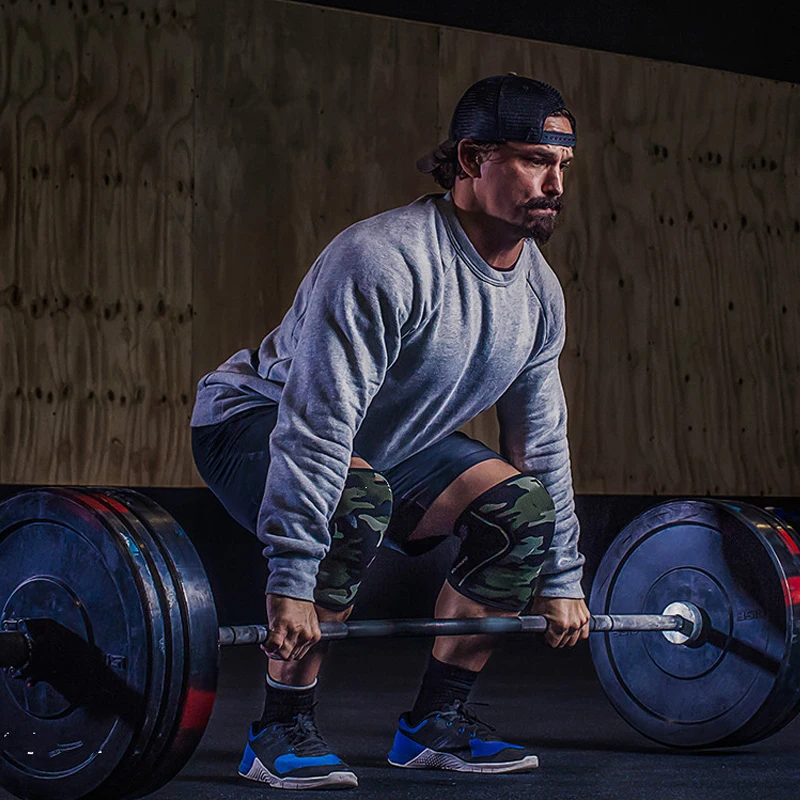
x,y
752,38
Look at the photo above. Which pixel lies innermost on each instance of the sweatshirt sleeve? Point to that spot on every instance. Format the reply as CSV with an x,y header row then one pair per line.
x,y
532,415
350,335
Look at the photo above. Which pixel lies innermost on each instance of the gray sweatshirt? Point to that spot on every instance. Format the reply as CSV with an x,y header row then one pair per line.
x,y
399,334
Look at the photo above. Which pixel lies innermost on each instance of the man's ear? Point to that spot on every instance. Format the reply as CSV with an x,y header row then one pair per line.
x,y
469,158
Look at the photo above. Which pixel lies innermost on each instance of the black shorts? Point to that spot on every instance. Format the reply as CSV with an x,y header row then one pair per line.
x,y
232,457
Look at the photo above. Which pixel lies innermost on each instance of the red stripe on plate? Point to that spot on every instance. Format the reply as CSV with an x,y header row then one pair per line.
x,y
91,501
792,591
197,708
789,541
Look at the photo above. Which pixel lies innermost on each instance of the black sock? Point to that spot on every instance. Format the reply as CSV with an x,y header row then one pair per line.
x,y
442,684
283,703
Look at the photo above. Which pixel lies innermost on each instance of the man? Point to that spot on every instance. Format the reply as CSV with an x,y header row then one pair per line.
x,y
340,432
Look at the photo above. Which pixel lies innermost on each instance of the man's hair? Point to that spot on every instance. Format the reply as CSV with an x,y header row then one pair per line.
x,y
448,167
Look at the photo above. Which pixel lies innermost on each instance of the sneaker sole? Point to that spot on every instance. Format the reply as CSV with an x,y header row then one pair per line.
x,y
335,780
431,759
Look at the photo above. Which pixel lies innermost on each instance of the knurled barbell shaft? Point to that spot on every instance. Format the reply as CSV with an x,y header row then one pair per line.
x,y
15,646
365,629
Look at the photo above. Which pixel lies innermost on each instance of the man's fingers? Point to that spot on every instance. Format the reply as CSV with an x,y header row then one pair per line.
x,y
567,619
296,654
291,645
281,644
301,650
565,635
295,640
294,628
555,634
581,631
272,647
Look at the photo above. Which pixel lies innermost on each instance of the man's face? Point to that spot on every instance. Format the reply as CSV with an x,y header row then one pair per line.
x,y
521,184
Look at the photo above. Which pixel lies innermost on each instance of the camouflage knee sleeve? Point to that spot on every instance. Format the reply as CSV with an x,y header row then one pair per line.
x,y
357,528
505,534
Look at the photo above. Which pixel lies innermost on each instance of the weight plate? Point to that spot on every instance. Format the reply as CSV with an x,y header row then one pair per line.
x,y
189,604
784,522
741,567
113,569
85,586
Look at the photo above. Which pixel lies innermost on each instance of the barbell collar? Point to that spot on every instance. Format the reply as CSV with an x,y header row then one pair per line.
x,y
368,629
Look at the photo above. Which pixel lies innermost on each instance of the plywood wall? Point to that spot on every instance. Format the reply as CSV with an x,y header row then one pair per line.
x,y
169,172
96,172
680,261
307,121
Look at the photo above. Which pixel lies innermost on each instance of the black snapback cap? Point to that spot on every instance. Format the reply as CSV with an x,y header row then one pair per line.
x,y
504,108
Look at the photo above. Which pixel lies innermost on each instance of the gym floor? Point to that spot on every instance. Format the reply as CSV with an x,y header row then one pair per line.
x,y
548,699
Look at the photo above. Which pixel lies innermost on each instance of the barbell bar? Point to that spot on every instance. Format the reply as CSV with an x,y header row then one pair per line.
x,y
689,625
18,648
112,643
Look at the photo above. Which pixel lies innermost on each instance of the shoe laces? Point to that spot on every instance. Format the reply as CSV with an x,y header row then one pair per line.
x,y
458,711
303,735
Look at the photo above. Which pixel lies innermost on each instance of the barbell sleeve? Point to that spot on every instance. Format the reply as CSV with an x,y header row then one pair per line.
x,y
366,629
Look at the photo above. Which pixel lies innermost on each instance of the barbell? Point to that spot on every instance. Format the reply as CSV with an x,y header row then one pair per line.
x,y
110,641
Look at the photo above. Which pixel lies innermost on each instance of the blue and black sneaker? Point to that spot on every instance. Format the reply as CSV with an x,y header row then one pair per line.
x,y
454,738
293,755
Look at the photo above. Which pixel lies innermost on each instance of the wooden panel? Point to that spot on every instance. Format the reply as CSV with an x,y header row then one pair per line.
x,y
144,151
309,120
96,139
679,256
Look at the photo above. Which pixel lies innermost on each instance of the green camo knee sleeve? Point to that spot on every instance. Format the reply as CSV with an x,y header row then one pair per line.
x,y
357,528
505,534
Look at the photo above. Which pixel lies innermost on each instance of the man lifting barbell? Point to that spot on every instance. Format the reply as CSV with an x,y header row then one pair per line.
x,y
340,432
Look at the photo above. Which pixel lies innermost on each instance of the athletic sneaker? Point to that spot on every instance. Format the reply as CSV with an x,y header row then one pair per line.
x,y
454,738
293,755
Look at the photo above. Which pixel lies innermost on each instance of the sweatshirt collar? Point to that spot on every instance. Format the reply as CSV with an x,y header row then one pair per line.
x,y
467,251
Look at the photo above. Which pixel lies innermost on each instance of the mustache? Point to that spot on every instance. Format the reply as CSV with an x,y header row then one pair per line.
x,y
554,203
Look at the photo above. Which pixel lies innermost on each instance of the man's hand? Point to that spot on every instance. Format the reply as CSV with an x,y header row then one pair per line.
x,y
293,628
568,620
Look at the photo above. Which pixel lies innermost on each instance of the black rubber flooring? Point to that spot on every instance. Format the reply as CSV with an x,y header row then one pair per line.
x,y
548,699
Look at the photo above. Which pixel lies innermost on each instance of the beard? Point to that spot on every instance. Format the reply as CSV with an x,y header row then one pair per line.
x,y
542,227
